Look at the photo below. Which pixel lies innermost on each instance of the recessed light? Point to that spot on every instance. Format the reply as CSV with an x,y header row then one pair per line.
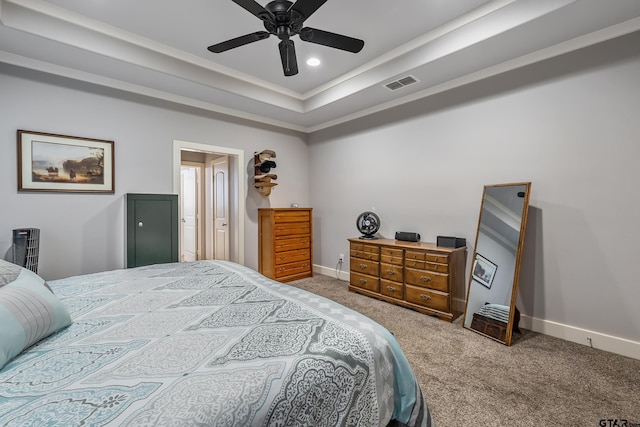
x,y
313,62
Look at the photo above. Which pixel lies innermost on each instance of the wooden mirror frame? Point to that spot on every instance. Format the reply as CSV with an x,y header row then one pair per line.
x,y
516,275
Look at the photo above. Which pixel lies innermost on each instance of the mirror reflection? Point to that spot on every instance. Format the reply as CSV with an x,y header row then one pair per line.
x,y
491,295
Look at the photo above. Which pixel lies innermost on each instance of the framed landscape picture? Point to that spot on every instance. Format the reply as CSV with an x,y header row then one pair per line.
x,y
484,270
50,162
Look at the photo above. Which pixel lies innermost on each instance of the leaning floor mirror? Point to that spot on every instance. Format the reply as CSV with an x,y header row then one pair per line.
x,y
490,308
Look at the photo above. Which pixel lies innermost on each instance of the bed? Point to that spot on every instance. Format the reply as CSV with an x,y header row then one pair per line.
x,y
202,343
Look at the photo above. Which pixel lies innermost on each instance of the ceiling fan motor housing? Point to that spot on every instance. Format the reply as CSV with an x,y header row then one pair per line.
x,y
288,22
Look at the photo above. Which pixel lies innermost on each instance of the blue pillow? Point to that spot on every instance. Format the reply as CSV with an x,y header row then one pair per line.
x,y
29,311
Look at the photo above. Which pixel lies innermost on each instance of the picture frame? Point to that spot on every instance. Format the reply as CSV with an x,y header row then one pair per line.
x,y
50,162
483,271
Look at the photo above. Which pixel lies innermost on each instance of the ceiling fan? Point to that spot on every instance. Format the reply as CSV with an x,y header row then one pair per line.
x,y
284,19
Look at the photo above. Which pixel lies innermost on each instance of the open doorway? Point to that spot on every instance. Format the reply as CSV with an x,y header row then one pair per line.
x,y
217,197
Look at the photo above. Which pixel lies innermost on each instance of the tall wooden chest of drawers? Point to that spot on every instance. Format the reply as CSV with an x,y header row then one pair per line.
x,y
285,246
416,275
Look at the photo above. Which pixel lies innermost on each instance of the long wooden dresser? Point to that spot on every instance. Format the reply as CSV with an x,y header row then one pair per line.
x,y
416,275
285,246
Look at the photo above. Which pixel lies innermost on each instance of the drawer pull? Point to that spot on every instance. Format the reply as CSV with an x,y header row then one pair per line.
x,y
363,281
391,289
425,297
425,278
391,272
363,266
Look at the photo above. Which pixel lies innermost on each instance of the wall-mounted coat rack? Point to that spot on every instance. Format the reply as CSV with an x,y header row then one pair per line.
x,y
263,179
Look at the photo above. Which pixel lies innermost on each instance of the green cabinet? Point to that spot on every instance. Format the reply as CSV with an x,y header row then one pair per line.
x,y
152,229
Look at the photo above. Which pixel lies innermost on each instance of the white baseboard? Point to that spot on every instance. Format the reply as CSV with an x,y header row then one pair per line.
x,y
610,343
332,272
621,346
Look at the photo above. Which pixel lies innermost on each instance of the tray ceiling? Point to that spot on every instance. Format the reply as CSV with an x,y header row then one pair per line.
x,y
158,48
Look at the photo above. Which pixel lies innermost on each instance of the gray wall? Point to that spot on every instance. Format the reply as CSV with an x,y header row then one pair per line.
x,y
84,233
570,125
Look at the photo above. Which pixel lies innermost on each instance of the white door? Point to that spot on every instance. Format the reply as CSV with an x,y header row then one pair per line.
x,y
221,208
189,212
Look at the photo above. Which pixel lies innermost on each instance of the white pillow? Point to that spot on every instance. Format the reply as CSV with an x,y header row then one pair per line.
x,y
29,311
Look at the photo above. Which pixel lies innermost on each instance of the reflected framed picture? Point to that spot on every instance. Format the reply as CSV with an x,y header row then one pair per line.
x,y
50,162
483,271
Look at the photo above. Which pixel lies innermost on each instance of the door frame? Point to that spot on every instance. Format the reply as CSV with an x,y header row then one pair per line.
x,y
237,193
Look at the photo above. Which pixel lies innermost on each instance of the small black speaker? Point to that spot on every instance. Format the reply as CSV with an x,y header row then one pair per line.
x,y
451,242
407,236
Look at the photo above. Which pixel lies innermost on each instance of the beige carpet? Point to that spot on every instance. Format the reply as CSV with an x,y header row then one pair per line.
x,y
470,380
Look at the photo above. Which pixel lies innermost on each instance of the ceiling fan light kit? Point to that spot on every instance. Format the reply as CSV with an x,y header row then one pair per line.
x,y
284,20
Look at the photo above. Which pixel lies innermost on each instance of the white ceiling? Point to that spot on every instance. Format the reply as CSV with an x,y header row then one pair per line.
x,y
158,48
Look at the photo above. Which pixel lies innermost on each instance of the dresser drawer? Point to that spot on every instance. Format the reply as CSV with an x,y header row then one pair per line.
x,y
361,250
290,244
364,281
291,216
391,289
427,298
391,256
364,266
437,258
391,272
292,268
427,279
292,256
291,228
415,255
425,265
363,247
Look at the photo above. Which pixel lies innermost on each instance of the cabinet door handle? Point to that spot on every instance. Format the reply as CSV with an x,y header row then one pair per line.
x,y
391,272
363,281
363,266
425,297
391,289
425,278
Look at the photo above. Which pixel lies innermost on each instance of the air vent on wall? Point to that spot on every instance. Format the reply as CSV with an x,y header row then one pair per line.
x,y
405,81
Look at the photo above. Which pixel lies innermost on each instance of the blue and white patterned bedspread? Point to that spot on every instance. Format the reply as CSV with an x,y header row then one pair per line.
x,y
208,343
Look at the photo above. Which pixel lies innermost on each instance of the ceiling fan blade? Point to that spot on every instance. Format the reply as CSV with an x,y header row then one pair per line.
x,y
288,57
334,40
307,7
256,9
238,41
